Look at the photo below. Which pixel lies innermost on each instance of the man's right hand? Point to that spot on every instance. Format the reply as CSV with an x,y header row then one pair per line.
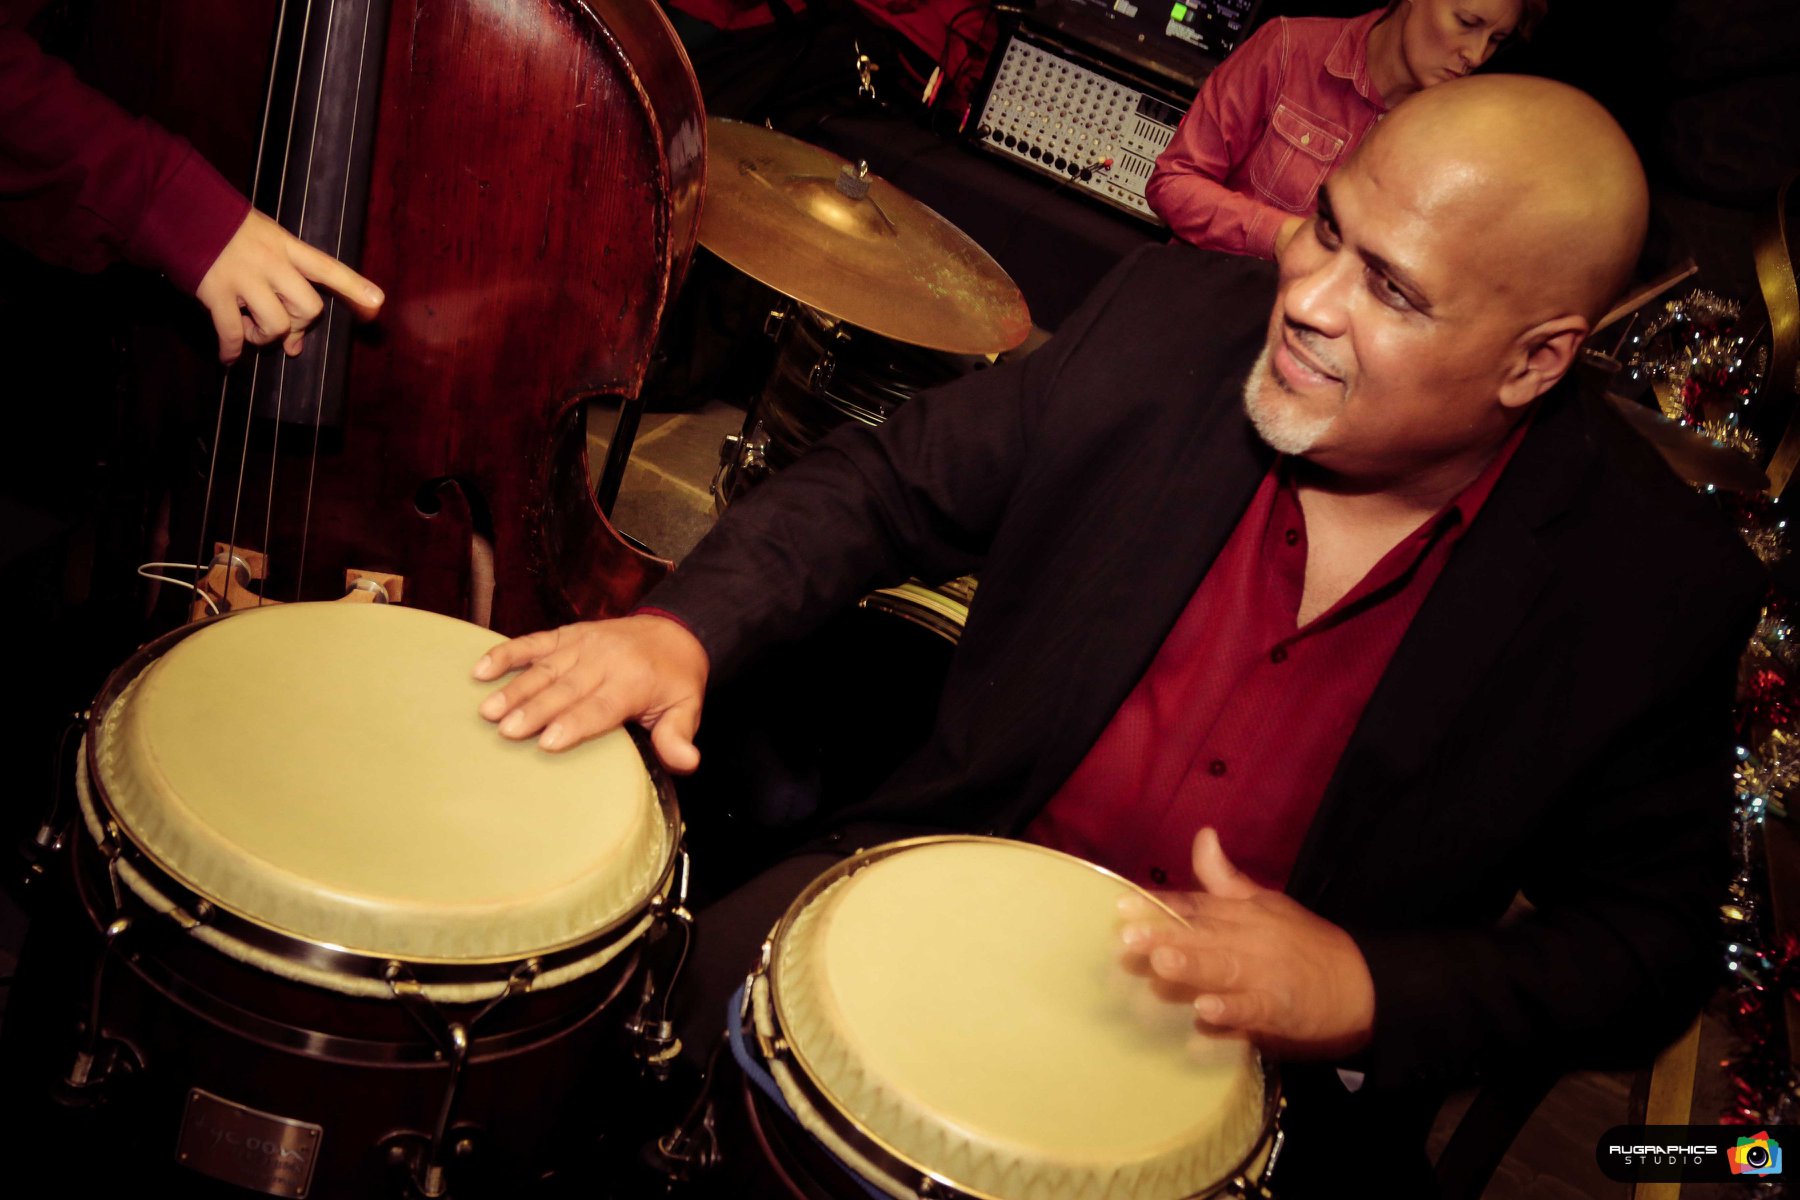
x,y
582,680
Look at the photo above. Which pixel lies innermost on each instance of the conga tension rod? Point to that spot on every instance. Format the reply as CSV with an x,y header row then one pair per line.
x,y
452,1039
93,1066
654,1039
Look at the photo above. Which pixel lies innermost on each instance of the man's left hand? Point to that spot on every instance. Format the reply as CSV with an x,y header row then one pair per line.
x,y
1254,960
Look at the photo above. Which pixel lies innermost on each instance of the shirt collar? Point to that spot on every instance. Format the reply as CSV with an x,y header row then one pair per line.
x,y
1459,512
1349,56
1469,501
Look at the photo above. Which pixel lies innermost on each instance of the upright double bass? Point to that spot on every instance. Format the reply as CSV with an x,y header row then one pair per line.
x,y
523,178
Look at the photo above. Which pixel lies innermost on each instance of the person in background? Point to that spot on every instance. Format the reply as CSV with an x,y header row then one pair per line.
x,y
84,184
1295,99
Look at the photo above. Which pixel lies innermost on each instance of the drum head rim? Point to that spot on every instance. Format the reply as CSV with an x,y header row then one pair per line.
x,y
282,943
831,1108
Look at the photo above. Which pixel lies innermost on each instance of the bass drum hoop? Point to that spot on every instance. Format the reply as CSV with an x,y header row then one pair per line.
x,y
864,1152
160,890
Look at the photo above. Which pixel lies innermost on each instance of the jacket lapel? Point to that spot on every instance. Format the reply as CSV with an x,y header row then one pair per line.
x,y
1485,591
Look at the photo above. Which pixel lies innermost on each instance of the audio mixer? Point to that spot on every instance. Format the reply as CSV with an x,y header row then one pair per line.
x,y
1055,114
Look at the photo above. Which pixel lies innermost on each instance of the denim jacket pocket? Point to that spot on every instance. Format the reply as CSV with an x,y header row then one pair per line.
x,y
1296,152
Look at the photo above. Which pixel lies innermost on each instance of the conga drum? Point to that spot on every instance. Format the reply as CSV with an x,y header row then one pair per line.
x,y
948,1017
355,943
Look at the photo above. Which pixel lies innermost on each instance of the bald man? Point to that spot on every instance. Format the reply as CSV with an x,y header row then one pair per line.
x,y
1327,590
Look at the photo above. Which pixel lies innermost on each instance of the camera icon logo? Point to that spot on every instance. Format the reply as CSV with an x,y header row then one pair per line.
x,y
1758,1155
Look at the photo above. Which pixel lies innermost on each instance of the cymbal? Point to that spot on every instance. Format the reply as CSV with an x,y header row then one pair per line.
x,y
852,245
1691,455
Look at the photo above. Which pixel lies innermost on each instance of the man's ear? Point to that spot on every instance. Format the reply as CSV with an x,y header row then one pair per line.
x,y
1542,356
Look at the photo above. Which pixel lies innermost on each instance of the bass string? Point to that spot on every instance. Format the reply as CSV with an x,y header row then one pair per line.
x,y
203,553
337,251
312,147
306,24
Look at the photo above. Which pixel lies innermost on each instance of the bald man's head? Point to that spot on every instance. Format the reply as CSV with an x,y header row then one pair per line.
x,y
1457,262
1542,177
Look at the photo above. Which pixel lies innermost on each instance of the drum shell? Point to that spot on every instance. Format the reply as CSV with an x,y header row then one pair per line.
x,y
355,1059
362,1069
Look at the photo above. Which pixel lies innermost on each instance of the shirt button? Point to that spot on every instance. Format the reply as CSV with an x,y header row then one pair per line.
x,y
1216,767
1278,654
1306,139
1158,876
1291,537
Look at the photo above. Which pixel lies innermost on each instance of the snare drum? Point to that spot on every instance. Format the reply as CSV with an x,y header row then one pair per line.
x,y
827,373
948,1017
350,933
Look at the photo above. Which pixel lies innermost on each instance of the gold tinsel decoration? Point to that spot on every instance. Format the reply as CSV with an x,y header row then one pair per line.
x,y
1772,776
1731,436
1769,546
1697,336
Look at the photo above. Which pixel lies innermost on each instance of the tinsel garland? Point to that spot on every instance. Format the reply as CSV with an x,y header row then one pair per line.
x,y
1693,354
1707,374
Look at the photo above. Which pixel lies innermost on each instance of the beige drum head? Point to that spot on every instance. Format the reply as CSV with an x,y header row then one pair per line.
x,y
321,769
961,1002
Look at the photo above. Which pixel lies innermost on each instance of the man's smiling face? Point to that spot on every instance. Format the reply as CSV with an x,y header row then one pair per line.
x,y
1397,318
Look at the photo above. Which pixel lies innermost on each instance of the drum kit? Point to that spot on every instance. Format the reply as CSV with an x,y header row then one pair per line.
x,y
344,942
882,298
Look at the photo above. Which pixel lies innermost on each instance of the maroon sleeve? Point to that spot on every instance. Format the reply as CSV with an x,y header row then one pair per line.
x,y
84,183
1218,133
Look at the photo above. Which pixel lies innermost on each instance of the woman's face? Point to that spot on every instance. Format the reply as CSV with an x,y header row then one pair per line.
x,y
1446,39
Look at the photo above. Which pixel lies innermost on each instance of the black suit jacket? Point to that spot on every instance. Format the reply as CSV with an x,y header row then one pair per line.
x,y
1555,722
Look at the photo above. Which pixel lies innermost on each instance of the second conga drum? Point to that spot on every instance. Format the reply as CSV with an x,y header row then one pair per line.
x,y
354,941
948,1017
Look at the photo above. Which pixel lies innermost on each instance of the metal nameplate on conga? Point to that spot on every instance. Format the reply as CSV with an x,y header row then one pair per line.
x,y
321,868
257,1150
949,1016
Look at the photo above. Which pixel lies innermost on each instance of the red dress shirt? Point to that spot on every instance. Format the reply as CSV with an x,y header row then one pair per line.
x,y
84,183
1269,125
1240,720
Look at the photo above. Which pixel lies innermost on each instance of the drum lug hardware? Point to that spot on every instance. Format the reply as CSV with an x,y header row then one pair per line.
x,y
691,1149
418,1179
753,449
51,834
98,1056
823,372
190,921
1276,1143
654,1043
452,1039
774,321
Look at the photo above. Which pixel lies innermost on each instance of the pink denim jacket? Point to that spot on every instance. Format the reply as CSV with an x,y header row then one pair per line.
x,y
1279,113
